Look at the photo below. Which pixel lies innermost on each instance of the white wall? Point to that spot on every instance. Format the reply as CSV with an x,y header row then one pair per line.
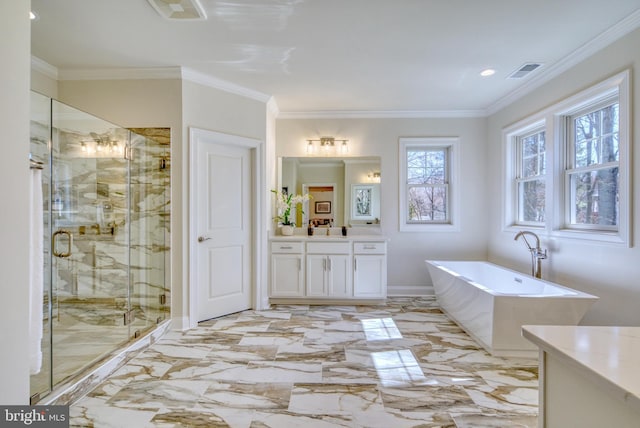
x,y
15,175
608,271
379,137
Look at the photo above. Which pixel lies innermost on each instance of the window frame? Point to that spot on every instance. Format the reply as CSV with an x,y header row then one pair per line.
x,y
558,140
519,174
512,137
570,167
451,146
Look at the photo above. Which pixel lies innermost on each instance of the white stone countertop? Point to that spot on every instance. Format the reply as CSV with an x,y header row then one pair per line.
x,y
332,237
608,356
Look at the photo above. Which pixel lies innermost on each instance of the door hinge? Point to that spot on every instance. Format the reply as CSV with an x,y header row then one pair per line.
x,y
128,153
137,334
163,299
129,317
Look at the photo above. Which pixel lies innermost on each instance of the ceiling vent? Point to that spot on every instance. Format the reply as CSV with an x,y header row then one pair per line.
x,y
179,9
524,70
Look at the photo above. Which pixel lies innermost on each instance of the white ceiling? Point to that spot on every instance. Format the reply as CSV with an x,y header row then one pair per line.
x,y
392,56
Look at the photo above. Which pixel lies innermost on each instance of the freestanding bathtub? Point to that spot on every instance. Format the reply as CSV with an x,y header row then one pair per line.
x,y
492,303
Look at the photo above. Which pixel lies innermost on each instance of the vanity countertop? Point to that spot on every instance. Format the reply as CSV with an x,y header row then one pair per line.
x,y
333,237
608,356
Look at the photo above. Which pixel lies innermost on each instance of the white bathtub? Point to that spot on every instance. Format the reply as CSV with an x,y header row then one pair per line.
x,y
492,303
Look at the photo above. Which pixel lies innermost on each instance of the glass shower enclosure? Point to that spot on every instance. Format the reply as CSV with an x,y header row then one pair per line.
x,y
105,211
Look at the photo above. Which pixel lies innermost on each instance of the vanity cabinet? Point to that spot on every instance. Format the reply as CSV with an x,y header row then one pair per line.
x,y
287,269
328,269
331,268
370,269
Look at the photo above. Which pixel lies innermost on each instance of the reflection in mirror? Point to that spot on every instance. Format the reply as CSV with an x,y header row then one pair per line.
x,y
365,205
345,191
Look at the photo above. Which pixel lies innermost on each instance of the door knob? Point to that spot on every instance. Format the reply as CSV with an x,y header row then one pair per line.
x,y
203,238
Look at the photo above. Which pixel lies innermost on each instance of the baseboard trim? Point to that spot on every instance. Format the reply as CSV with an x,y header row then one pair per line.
x,y
181,323
410,290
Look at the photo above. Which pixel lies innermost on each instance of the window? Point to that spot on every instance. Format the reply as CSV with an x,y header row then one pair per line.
x,y
568,167
593,167
425,183
531,178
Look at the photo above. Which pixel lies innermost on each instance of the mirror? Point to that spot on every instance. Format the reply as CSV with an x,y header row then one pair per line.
x,y
345,191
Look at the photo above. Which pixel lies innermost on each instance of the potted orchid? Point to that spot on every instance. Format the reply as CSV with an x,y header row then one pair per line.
x,y
284,204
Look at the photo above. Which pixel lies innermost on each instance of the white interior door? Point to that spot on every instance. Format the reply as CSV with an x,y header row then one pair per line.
x,y
223,227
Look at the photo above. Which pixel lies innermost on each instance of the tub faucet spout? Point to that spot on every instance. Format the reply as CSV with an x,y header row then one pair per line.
x,y
537,253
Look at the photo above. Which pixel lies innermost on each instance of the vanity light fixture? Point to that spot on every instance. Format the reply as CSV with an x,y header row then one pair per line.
x,y
374,177
93,149
327,146
311,149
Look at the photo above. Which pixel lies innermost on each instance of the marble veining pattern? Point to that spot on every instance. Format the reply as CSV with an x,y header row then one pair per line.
x,y
403,364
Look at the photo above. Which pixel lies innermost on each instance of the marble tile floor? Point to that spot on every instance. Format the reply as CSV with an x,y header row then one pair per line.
x,y
403,364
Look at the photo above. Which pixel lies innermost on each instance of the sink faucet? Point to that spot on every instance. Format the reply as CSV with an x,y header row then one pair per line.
x,y
537,254
96,227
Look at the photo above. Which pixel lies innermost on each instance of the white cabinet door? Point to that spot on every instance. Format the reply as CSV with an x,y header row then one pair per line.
x,y
287,275
369,276
316,275
339,276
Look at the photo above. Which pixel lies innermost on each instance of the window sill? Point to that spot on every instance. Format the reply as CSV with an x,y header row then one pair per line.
x,y
614,238
429,228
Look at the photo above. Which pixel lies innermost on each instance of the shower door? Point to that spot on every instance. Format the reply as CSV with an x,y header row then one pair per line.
x,y
105,238
89,240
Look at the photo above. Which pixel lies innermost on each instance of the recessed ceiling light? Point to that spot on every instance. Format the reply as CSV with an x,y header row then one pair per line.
x,y
33,16
487,72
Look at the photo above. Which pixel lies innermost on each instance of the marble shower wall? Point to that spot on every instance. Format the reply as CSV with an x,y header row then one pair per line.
x,y
119,214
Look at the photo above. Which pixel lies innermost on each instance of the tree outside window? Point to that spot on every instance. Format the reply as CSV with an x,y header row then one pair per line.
x,y
594,170
531,178
427,185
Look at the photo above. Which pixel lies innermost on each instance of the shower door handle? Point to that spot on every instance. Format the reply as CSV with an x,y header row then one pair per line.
x,y
54,240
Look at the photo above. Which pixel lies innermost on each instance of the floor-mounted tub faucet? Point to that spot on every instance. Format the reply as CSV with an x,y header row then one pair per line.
x,y
537,254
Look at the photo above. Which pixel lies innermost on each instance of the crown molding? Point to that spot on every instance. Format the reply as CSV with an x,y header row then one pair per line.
x,y
272,106
391,114
604,39
44,67
223,85
120,73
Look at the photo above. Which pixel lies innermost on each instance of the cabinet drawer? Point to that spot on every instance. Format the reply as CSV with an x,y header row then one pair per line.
x,y
286,247
328,247
370,247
